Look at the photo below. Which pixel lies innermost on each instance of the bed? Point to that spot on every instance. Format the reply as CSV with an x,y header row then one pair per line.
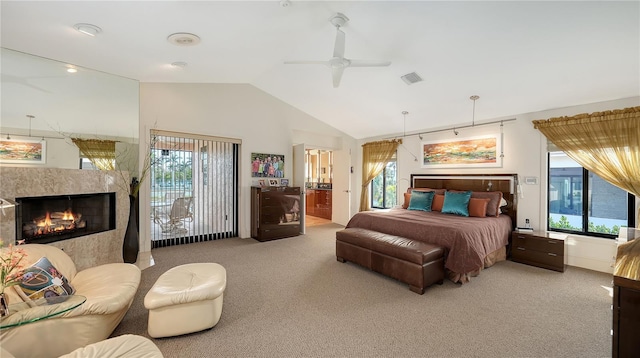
x,y
471,243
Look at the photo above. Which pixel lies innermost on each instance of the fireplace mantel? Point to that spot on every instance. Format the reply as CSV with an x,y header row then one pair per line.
x,y
86,251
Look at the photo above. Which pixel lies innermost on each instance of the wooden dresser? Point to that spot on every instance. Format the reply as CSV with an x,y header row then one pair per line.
x,y
538,248
626,296
275,212
626,317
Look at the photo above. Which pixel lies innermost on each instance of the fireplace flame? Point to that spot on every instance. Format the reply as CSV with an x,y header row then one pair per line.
x,y
68,215
60,221
46,222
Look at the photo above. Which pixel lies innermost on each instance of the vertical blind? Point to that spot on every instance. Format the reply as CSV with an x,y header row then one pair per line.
x,y
194,188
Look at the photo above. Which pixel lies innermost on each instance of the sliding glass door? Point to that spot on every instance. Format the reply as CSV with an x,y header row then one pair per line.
x,y
194,188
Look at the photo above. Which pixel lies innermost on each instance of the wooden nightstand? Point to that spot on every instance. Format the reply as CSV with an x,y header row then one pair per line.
x,y
538,248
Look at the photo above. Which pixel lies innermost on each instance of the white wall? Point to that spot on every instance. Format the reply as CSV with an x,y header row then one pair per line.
x,y
241,111
524,154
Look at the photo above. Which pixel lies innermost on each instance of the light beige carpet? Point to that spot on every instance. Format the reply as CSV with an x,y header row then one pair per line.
x,y
291,298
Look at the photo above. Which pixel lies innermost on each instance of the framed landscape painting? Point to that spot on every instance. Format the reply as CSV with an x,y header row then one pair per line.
x,y
24,151
473,152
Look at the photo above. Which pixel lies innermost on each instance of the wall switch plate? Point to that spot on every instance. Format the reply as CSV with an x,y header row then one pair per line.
x,y
531,180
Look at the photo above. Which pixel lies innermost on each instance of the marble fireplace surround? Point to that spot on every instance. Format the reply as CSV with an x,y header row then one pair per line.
x,y
85,251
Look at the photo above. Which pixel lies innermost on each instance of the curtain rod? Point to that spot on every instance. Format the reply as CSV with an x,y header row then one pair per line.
x,y
456,127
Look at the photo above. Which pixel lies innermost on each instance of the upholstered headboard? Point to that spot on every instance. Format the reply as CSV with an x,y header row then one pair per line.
x,y
506,183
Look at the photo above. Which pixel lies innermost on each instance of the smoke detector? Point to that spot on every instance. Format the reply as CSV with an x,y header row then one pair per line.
x,y
183,39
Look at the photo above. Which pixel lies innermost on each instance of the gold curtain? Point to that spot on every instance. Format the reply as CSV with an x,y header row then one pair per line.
x,y
605,143
102,153
375,156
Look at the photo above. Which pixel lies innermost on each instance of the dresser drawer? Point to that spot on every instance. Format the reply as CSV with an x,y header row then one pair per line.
x,y
542,244
537,258
270,232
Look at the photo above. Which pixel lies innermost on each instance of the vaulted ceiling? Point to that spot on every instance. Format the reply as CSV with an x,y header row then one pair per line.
x,y
519,57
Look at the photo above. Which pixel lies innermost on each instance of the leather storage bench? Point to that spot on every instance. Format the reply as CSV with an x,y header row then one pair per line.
x,y
415,263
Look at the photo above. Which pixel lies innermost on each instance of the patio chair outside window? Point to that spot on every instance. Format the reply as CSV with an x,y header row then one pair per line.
x,y
180,212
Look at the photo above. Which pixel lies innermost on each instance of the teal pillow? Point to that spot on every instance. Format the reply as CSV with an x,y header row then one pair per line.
x,y
456,203
421,200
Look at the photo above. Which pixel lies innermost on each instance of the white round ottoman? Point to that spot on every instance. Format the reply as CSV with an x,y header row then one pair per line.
x,y
186,299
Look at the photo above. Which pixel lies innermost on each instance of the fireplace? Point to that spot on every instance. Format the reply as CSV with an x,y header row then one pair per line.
x,y
46,219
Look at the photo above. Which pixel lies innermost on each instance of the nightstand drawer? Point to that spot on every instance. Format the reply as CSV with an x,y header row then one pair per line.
x,y
541,248
537,258
542,244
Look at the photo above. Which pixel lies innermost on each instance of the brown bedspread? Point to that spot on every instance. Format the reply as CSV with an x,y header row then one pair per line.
x,y
467,240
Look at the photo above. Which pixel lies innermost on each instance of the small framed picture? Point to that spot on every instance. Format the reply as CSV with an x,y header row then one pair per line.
x,y
262,182
274,182
284,182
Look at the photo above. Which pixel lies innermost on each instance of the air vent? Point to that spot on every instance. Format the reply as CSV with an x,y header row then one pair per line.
x,y
411,78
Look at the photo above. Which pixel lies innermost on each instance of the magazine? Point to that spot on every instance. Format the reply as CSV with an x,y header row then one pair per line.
x,y
43,280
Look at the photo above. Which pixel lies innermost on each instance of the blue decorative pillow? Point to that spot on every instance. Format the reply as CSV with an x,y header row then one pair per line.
x,y
456,203
421,200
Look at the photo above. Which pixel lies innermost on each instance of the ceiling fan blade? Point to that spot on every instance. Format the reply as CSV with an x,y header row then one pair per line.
x,y
364,63
326,63
338,49
337,75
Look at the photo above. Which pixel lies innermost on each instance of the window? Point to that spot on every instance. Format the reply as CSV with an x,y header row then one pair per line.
x,y
86,164
383,187
581,202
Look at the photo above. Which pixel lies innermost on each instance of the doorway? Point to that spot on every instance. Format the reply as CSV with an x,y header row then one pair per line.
x,y
194,188
318,186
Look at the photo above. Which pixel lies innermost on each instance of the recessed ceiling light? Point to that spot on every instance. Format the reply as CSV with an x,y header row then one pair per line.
x,y
88,29
183,39
71,70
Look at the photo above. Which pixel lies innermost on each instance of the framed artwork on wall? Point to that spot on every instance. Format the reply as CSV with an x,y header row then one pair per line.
x,y
25,151
267,165
472,152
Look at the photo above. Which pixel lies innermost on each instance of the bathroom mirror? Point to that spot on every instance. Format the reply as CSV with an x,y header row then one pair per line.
x,y
51,101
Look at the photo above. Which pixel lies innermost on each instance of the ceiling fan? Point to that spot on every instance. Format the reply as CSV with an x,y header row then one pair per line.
x,y
338,62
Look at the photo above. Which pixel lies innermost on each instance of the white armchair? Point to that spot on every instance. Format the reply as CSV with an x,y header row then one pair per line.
x,y
125,346
109,290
